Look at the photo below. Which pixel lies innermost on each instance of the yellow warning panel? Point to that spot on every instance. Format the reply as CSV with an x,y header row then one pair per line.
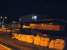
x,y
32,26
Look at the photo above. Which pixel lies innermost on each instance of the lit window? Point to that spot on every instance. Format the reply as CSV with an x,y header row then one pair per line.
x,y
44,42
37,40
51,45
59,44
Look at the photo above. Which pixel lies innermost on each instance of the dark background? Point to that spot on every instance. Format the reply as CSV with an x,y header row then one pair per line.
x,y
41,7
54,8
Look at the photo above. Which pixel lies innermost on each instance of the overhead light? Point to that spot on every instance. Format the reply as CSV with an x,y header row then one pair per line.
x,y
5,17
1,17
34,17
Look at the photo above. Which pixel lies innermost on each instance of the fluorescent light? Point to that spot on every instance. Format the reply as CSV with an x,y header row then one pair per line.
x,y
34,17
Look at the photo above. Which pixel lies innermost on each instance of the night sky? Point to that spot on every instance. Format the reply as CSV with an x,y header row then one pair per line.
x,y
51,8
40,7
